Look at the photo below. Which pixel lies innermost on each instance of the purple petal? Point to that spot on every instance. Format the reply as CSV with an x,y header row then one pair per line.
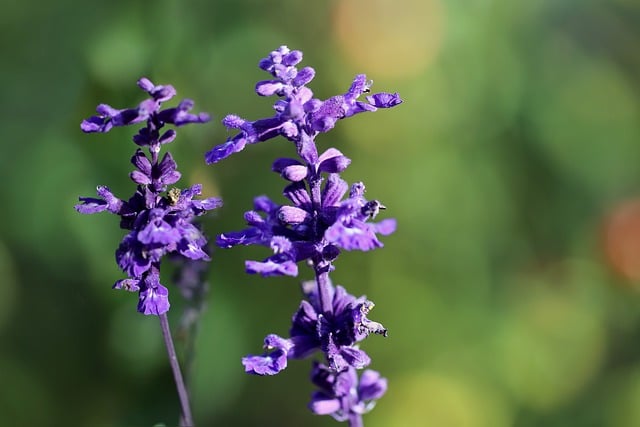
x,y
210,203
192,250
168,170
272,268
372,386
269,87
145,84
355,357
140,178
249,236
265,365
385,227
356,235
332,161
96,124
280,164
154,300
130,258
358,87
295,173
131,285
293,215
298,194
90,205
304,76
167,137
291,58
222,151
334,190
269,363
158,231
384,100
321,404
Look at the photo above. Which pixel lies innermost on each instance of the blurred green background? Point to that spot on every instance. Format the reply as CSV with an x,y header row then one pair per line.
x,y
510,288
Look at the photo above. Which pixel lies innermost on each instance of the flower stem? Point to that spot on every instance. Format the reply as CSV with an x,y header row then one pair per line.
x,y
186,420
356,421
322,280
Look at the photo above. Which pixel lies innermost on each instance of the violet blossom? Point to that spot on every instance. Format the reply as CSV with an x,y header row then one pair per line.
x,y
159,219
323,217
335,333
343,395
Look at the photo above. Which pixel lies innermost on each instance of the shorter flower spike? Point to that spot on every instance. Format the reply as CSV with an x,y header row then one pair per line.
x,y
159,219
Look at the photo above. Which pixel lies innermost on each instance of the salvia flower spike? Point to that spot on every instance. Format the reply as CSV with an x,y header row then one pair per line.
x,y
159,218
324,216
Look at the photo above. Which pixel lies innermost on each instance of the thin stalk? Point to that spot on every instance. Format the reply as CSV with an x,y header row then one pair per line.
x,y
356,421
186,420
322,280
321,270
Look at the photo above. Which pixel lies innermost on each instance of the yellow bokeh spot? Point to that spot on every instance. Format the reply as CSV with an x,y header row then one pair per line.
x,y
389,39
435,399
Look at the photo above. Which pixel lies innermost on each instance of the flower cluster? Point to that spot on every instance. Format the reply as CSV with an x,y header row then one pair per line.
x,y
159,219
315,227
335,333
343,395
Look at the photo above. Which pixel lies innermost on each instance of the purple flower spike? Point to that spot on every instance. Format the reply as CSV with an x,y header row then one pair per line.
x,y
322,218
159,220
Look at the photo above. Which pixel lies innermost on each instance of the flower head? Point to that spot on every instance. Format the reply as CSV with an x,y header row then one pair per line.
x,y
343,395
159,219
304,230
298,116
336,334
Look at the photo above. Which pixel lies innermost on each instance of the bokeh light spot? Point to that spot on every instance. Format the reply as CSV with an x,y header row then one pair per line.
x,y
552,341
435,399
622,239
389,39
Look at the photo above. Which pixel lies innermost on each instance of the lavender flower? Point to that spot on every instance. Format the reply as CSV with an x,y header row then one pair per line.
x,y
317,224
344,396
159,220
335,333
299,117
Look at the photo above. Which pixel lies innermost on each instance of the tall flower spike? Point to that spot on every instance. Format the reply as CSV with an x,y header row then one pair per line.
x,y
159,219
323,216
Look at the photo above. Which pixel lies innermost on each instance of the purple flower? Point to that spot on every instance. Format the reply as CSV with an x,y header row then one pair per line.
x,y
307,231
299,116
318,223
272,362
159,219
343,395
149,111
336,333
